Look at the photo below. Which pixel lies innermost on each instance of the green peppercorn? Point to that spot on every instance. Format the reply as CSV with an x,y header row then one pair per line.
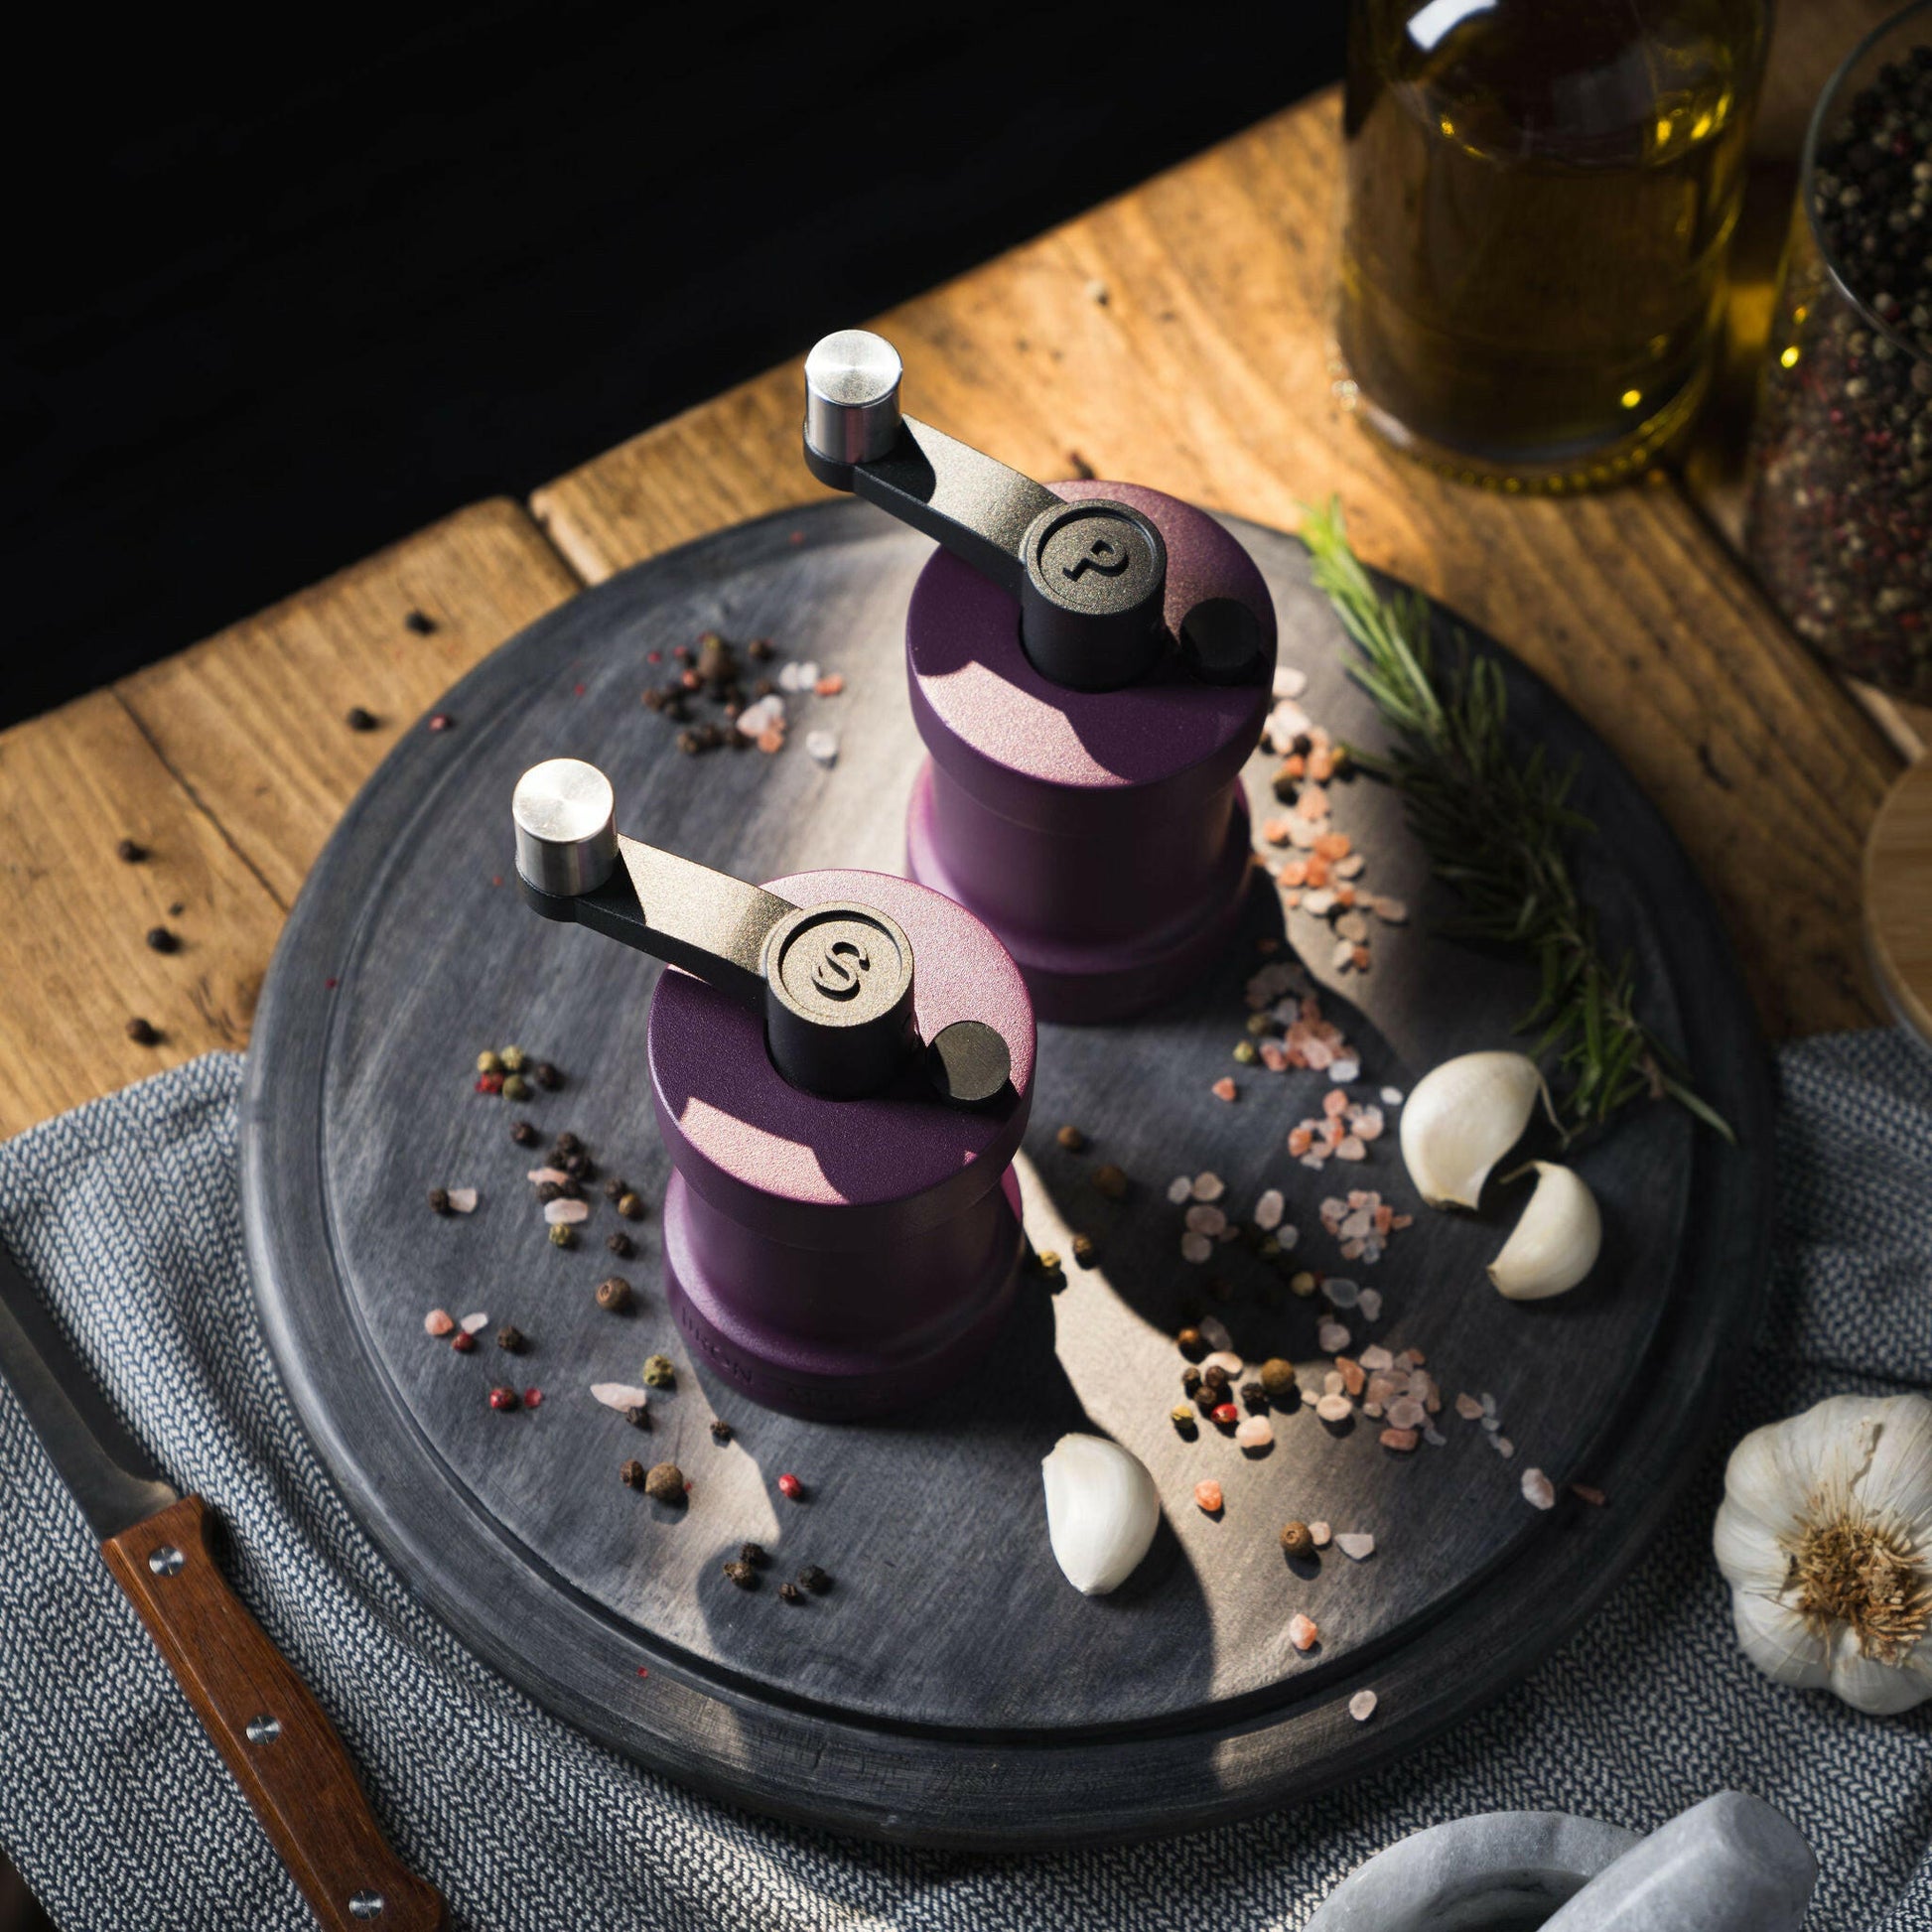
x,y
1297,1540
563,1237
1184,1421
665,1484
1259,1024
489,1063
1083,1250
1301,1284
1244,1051
515,1088
741,1574
1049,1260
661,1372
513,1060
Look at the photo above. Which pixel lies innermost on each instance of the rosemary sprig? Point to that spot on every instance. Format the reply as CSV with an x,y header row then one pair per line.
x,y
1495,827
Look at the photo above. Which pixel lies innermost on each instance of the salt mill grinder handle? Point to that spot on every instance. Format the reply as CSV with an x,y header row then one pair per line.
x,y
834,982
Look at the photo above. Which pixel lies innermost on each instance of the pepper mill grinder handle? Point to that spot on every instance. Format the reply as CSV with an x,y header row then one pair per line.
x,y
834,982
1090,577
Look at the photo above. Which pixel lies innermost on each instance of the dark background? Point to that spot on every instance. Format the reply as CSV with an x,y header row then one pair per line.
x,y
288,286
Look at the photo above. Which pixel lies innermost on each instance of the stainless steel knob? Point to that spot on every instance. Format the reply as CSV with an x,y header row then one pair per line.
x,y
852,384
566,827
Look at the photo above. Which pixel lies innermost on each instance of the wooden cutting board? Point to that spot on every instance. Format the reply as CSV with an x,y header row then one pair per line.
x,y
952,1689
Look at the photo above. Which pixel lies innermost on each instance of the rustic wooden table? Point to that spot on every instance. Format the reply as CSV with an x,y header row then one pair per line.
x,y
1175,336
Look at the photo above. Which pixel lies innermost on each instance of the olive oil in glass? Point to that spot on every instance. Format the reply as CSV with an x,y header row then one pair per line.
x,y
1539,199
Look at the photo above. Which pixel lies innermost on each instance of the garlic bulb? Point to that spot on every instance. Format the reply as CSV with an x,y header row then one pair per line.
x,y
1102,1510
1825,1537
1556,1241
1461,1119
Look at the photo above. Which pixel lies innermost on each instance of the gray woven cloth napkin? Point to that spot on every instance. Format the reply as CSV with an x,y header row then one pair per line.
x,y
120,1815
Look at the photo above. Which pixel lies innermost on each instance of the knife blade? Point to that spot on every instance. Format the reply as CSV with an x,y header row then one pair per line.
x,y
273,1735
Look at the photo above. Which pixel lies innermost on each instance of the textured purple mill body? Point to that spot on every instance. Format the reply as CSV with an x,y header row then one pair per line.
x,y
840,1258
1103,834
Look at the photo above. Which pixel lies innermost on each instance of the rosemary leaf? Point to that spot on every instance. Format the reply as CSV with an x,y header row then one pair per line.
x,y
1493,827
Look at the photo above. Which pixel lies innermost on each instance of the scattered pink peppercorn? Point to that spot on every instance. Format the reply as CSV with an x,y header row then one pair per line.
x,y
502,1398
532,1398
790,1487
440,721
489,1083
462,1343
1226,1413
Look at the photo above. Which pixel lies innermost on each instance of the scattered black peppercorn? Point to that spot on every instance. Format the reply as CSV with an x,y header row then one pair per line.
x,y
665,1484
639,1417
1255,1396
790,1594
754,1553
621,1244
421,622
759,650
1192,1344
815,1580
568,1144
549,1190
1207,1399
613,1187
524,1134
359,720
1071,1138
569,1189
130,852
1214,1376
1110,1181
1083,1250
721,1430
160,939
632,1475
509,1338
613,1294
631,1208
578,1165
439,1200
142,1033
547,1077
1190,1379
741,1574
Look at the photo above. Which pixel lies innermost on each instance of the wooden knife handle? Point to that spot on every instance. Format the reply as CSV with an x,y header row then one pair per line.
x,y
282,1749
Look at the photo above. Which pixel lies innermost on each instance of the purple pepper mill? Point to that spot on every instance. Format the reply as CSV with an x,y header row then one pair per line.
x,y
842,1228
1091,667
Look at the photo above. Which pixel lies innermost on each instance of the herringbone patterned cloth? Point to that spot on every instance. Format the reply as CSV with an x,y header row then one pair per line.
x,y
121,1816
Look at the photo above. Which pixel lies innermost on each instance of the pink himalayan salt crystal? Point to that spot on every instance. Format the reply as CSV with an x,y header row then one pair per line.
x,y
555,1175
1406,1413
1208,1186
1256,1432
1302,1631
1351,1374
1215,1331
1269,1210
1319,1535
1351,1149
1195,1247
1204,1218
1334,1408
1333,1102
1361,1707
1402,1440
1371,1304
1468,1407
1376,1358
1209,1495
462,1201
438,1321
1538,1489
1331,1337
1357,1544
1223,1088
474,1325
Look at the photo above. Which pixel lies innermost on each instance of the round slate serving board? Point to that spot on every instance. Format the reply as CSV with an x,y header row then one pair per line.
x,y
952,1689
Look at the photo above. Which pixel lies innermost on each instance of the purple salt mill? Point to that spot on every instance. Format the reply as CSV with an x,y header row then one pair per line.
x,y
1090,666
842,1226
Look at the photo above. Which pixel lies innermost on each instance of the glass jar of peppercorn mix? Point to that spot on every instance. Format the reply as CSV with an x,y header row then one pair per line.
x,y
1838,523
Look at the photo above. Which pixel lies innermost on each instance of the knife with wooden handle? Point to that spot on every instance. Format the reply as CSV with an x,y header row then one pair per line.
x,y
281,1749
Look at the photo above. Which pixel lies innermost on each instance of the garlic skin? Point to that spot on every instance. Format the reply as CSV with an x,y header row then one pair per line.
x,y
1462,1118
1556,1240
1102,1510
1825,1537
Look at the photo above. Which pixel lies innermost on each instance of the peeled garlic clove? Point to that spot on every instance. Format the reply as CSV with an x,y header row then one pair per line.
x,y
1102,1510
1556,1242
1461,1119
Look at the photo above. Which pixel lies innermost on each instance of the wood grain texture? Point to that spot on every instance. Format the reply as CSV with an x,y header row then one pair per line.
x,y
253,721
75,967
1175,1702
1204,372
293,1771
1898,897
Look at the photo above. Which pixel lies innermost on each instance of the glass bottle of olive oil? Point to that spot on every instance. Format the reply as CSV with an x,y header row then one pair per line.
x,y
1540,196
